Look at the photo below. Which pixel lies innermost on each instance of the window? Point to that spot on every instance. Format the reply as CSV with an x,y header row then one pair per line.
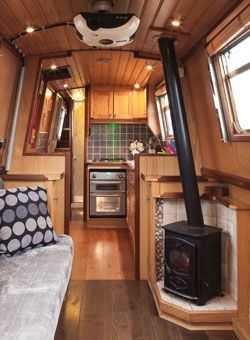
x,y
164,116
232,69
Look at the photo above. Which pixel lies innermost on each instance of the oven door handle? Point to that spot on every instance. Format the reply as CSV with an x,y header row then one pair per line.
x,y
106,182
106,195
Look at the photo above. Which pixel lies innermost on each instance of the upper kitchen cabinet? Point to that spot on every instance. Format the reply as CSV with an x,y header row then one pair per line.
x,y
140,103
118,103
101,104
123,108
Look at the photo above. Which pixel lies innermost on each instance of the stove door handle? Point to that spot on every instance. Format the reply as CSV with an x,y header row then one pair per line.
x,y
105,195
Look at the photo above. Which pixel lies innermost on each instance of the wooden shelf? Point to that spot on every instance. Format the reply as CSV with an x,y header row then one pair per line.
x,y
31,177
166,179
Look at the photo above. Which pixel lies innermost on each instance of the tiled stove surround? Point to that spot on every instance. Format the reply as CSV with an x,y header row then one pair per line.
x,y
113,140
215,214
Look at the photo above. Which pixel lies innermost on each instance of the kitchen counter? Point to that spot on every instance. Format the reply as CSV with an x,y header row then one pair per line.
x,y
128,165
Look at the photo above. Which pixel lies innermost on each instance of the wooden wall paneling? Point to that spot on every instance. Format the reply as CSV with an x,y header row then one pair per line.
x,y
243,222
9,69
192,126
214,154
78,149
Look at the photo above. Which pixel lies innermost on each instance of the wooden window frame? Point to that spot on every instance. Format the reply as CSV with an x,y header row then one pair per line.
x,y
162,112
235,133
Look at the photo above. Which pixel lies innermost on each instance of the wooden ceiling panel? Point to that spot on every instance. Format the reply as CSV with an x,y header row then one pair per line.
x,y
197,17
114,67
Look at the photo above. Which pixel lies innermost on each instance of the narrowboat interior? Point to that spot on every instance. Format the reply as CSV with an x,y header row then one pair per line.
x,y
124,169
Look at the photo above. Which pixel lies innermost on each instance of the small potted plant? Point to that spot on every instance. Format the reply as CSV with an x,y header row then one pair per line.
x,y
136,147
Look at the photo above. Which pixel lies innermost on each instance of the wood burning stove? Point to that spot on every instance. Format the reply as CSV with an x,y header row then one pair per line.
x,y
192,250
192,261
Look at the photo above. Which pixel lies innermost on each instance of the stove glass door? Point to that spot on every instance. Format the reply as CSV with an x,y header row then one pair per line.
x,y
179,261
108,204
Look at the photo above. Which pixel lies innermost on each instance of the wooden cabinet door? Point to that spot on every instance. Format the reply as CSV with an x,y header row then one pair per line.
x,y
102,105
123,105
139,104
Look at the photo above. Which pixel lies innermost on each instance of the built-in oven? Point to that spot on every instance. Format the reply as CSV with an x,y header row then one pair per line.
x,y
107,190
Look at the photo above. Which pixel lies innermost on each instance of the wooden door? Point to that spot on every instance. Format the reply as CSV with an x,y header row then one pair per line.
x,y
123,105
139,104
101,105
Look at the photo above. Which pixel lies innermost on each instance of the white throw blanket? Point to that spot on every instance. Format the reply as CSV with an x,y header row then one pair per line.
x,y
32,288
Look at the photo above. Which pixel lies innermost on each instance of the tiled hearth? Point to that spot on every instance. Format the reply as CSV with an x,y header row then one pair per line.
x,y
225,302
215,214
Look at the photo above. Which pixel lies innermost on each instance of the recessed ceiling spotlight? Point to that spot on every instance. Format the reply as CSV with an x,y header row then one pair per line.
x,y
176,22
137,86
53,66
65,85
149,67
30,29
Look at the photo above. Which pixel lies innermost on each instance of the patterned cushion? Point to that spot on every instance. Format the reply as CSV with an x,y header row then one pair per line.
x,y
24,220
1,184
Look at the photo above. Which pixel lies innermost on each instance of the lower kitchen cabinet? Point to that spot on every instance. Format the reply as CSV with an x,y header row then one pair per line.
x,y
131,205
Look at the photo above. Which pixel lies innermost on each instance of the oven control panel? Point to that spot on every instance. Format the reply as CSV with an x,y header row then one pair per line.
x,y
107,175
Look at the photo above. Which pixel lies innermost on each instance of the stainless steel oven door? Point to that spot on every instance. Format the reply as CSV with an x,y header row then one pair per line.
x,y
111,186
107,204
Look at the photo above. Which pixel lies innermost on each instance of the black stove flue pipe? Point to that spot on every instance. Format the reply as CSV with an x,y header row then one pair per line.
x,y
181,133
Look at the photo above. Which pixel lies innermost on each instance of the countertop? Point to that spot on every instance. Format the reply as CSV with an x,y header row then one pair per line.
x,y
129,165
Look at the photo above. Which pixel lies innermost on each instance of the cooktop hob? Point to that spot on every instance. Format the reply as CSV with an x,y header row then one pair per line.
x,y
111,160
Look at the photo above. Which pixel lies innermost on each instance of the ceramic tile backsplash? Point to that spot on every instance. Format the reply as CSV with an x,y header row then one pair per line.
x,y
214,214
113,140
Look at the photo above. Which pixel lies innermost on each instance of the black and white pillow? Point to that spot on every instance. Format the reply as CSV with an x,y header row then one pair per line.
x,y
24,220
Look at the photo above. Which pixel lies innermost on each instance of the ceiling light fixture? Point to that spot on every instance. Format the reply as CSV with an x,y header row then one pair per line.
x,y
137,86
53,66
176,22
30,29
149,67
65,85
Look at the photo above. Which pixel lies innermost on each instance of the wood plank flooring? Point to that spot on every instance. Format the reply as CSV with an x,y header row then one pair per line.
x,y
102,303
101,254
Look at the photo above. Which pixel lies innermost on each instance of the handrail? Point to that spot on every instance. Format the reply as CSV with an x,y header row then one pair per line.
x,y
221,176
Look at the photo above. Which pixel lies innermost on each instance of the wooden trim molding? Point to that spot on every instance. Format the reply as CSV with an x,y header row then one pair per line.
x,y
164,179
24,178
220,176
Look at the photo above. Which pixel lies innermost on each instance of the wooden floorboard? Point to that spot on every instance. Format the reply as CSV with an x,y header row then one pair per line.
x,y
104,303
120,310
101,254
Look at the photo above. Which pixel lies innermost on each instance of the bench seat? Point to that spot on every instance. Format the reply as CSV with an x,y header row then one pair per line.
x,y
32,288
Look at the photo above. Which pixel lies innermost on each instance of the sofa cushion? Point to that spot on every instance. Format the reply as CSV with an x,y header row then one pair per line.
x,y
1,184
24,219
32,288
